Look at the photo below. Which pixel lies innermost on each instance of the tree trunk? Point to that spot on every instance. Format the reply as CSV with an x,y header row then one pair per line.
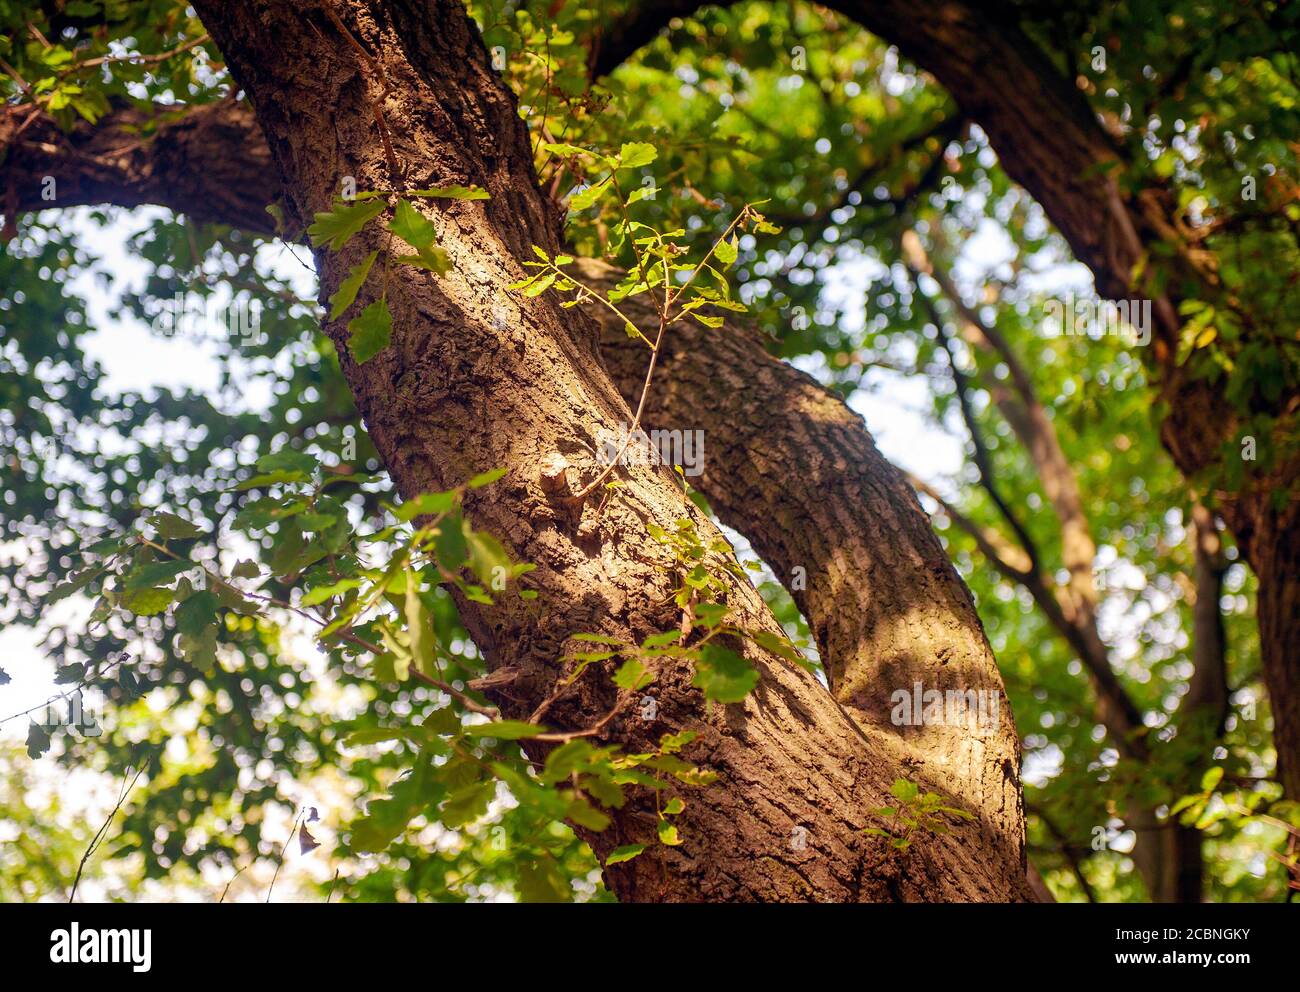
x,y
477,377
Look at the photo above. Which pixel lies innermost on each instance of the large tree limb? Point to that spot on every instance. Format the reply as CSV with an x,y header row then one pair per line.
x,y
210,162
1072,610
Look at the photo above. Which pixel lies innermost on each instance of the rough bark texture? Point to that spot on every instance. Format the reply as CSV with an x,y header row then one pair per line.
x,y
477,377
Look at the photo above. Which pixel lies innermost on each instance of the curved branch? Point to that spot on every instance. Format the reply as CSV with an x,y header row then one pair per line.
x,y
208,161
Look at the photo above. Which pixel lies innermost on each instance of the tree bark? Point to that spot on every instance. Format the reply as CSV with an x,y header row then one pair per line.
x,y
1276,560
791,467
476,378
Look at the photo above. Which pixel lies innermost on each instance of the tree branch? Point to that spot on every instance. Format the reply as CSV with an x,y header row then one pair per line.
x,y
209,162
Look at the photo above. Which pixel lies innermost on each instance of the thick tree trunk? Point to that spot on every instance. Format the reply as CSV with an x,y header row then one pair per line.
x,y
477,377
210,162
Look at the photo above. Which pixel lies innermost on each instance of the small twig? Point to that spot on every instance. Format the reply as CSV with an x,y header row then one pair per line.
x,y
99,834
229,884
284,847
378,71
665,321
135,59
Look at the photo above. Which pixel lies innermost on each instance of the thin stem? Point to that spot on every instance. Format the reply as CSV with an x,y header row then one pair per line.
x,y
601,299
135,59
99,834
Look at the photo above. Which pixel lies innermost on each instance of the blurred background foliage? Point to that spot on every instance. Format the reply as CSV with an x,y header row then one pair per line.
x,y
855,150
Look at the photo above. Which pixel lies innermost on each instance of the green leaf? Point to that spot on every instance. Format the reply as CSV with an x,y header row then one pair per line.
x,y
412,226
453,193
38,741
723,675
904,791
288,461
486,478
418,627
426,505
625,853
432,259
467,805
585,198
370,333
1211,778
65,674
349,287
338,226
598,639
171,527
504,730
586,815
635,154
321,593
668,834
154,574
375,735
711,614
632,675
727,251
450,543
197,613
778,645
540,881
539,285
